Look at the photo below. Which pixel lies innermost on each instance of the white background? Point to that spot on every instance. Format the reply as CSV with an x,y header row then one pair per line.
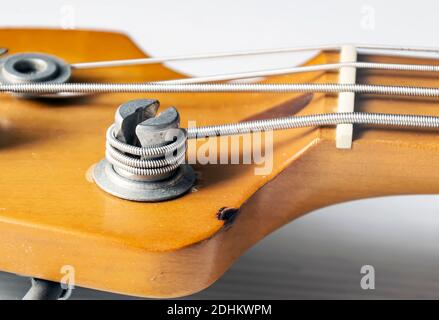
x,y
319,255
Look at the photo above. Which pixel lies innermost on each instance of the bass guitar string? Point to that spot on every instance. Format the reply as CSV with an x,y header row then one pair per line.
x,y
130,62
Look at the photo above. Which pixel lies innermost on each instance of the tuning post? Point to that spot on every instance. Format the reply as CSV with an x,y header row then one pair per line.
x,y
145,154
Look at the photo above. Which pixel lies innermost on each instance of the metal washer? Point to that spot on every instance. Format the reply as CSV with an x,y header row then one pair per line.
x,y
34,68
151,191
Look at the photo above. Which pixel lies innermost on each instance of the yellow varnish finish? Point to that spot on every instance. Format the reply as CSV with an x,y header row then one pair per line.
x,y
52,215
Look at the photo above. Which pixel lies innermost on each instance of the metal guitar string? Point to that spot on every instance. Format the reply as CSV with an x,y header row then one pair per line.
x,y
304,69
130,62
126,157
154,160
145,161
315,120
46,88
271,72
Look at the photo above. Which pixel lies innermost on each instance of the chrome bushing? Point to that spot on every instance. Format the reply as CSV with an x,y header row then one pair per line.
x,y
151,191
33,68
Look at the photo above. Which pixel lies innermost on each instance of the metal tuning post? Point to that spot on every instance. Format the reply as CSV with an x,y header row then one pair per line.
x,y
145,154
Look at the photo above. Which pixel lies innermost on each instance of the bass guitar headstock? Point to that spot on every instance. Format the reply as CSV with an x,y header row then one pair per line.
x,y
124,179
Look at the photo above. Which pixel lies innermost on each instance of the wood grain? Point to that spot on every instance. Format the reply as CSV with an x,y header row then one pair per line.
x,y
52,214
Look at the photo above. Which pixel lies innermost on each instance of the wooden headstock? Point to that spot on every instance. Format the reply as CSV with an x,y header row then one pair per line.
x,y
52,214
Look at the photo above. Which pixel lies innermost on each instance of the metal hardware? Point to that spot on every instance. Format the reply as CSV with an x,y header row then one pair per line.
x,y
316,120
331,47
33,68
45,88
147,174
154,60
3,51
148,165
43,290
305,69
145,154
